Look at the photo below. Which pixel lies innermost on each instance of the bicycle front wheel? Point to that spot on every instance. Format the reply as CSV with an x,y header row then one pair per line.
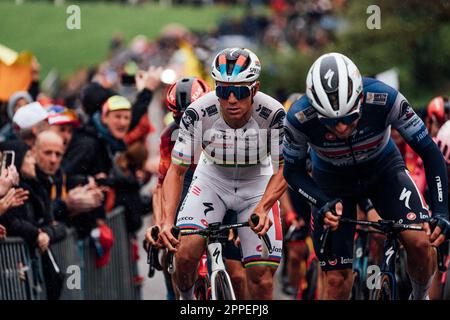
x,y
385,292
222,288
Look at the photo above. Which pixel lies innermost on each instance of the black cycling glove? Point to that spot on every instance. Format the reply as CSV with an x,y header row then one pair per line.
x,y
329,206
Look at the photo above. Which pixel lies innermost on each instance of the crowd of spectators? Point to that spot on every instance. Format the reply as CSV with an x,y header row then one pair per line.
x,y
93,144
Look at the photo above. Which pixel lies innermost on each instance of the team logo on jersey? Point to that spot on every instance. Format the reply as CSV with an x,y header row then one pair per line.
x,y
330,136
208,207
204,222
406,112
411,216
278,119
190,116
332,262
306,115
196,190
211,110
265,113
376,98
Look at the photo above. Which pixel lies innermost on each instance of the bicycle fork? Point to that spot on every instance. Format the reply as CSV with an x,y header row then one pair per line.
x,y
217,265
388,265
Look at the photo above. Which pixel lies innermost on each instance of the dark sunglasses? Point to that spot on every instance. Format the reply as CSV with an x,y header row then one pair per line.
x,y
333,122
240,92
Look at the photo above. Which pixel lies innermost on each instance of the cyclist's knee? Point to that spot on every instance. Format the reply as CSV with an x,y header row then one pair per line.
x,y
261,277
238,278
337,279
188,255
418,246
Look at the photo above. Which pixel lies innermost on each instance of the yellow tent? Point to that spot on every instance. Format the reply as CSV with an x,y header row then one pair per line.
x,y
15,71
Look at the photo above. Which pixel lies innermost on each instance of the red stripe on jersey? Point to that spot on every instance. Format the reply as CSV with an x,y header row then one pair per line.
x,y
277,222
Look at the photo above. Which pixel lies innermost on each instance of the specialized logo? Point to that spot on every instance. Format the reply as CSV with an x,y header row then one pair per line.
x,y
259,248
405,195
216,255
204,222
389,254
329,76
411,216
332,262
209,207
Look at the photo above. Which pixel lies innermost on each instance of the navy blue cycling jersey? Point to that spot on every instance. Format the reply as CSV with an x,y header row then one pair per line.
x,y
369,147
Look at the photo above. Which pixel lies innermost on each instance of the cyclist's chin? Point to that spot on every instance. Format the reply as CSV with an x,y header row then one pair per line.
x,y
233,113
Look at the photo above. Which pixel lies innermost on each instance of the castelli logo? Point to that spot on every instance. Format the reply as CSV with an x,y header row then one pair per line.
x,y
204,222
259,248
330,136
332,262
411,216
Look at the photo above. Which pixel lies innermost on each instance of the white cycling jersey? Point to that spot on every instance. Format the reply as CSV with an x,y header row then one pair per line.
x,y
234,167
234,153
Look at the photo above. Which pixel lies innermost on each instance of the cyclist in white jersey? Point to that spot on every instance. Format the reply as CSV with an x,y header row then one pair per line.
x,y
235,135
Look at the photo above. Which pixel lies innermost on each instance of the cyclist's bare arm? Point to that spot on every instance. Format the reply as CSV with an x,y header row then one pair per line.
x,y
171,194
157,205
274,190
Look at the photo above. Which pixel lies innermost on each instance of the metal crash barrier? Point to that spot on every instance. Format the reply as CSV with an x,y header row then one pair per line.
x,y
16,277
111,282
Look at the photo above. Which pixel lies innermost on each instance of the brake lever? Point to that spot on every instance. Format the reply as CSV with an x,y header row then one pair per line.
x,y
170,265
152,253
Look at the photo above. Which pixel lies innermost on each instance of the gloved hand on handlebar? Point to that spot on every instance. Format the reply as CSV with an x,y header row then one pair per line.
x,y
440,229
331,213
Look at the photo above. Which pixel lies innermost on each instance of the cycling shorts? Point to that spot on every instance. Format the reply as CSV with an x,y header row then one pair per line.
x,y
208,200
393,194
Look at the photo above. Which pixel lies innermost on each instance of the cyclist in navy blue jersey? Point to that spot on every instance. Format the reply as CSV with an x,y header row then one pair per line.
x,y
346,120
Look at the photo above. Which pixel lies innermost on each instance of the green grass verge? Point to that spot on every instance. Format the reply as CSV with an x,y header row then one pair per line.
x,y
41,28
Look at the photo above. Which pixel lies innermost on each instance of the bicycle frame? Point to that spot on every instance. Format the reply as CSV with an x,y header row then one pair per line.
x,y
215,255
388,265
391,229
361,254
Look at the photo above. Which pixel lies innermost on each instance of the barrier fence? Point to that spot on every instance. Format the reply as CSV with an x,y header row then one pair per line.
x,y
75,258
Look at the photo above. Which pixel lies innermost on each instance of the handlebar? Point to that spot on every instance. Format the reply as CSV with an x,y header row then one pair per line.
x,y
383,226
214,230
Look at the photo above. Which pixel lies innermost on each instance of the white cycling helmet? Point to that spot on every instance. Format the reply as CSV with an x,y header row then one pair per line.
x,y
334,86
443,141
235,65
